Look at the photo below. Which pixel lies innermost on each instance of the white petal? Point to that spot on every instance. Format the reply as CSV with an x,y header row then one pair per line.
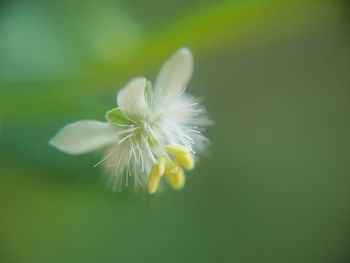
x,y
173,77
131,99
84,136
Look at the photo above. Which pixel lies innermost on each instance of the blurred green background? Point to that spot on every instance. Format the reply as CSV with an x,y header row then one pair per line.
x,y
275,76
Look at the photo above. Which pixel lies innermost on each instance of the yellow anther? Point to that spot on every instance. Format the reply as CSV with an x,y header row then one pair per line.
x,y
186,160
176,149
175,175
182,155
153,182
156,173
161,166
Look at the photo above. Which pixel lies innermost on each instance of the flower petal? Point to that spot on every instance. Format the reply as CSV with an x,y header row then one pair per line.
x,y
174,76
84,136
131,99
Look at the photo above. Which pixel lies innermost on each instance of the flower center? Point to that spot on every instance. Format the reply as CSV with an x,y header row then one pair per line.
x,y
145,128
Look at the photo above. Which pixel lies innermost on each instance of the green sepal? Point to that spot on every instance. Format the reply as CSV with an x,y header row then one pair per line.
x,y
116,116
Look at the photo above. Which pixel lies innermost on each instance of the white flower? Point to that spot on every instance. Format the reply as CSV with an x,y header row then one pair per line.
x,y
153,132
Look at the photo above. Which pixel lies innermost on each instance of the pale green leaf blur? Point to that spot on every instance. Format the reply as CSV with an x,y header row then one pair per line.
x,y
275,184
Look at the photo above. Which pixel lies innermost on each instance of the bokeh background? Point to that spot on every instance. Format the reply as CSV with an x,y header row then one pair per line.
x,y
275,77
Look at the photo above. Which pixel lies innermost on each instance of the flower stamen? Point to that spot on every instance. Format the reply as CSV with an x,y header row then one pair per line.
x,y
181,155
156,173
175,175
